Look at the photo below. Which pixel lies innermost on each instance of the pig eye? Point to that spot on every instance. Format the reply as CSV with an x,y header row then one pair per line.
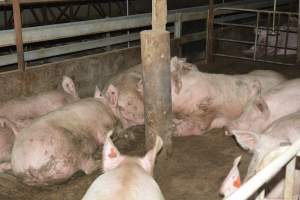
x,y
129,104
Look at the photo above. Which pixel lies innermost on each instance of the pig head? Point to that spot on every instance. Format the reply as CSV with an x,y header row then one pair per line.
x,y
125,177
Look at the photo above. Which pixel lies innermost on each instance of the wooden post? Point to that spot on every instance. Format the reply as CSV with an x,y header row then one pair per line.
x,y
159,14
155,49
210,28
298,44
18,31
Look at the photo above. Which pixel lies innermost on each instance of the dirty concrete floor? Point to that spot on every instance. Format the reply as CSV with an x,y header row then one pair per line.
x,y
195,171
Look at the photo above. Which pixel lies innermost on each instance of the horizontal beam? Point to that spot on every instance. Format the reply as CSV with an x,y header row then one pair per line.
x,y
69,48
81,46
74,29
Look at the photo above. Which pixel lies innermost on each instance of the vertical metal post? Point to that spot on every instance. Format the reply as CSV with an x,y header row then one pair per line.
x,y
298,44
155,49
289,179
18,31
287,35
177,26
127,13
256,36
177,33
210,27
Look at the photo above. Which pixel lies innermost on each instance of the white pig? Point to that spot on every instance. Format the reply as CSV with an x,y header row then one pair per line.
x,y
125,177
264,109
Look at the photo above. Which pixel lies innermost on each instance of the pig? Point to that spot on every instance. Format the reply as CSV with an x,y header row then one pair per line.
x,y
232,181
24,109
281,35
126,177
62,142
125,92
263,109
203,101
282,132
21,112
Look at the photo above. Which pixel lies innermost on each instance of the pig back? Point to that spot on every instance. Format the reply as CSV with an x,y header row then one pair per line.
x,y
123,183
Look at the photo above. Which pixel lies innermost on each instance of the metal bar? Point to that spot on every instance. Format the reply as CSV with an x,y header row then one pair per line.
x,y
298,43
234,24
210,33
67,49
266,174
253,10
178,26
59,31
277,33
250,43
287,35
248,26
18,32
274,15
267,41
256,36
289,180
235,41
250,59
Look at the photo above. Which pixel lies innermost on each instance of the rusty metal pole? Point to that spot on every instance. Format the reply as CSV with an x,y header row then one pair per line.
x,y
298,44
18,31
210,32
155,48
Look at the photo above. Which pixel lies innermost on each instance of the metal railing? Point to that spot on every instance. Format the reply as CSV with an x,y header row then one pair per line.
x,y
270,29
74,29
288,159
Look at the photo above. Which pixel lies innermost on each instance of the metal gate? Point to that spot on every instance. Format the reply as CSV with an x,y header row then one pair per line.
x,y
275,36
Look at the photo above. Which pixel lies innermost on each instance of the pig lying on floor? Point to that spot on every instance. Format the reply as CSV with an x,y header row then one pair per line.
x,y
125,177
22,111
265,108
60,143
267,145
201,101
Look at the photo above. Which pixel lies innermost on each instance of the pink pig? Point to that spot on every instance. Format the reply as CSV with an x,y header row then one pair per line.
x,y
62,142
125,177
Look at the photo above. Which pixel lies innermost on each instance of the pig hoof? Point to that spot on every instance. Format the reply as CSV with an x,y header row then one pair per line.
x,y
91,165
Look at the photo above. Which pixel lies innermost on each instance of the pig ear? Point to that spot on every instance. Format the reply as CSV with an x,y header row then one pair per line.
x,y
98,93
113,94
69,86
148,160
111,156
256,88
140,87
262,106
247,140
233,180
176,80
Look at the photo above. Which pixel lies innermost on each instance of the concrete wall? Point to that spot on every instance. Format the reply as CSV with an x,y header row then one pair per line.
x,y
85,71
